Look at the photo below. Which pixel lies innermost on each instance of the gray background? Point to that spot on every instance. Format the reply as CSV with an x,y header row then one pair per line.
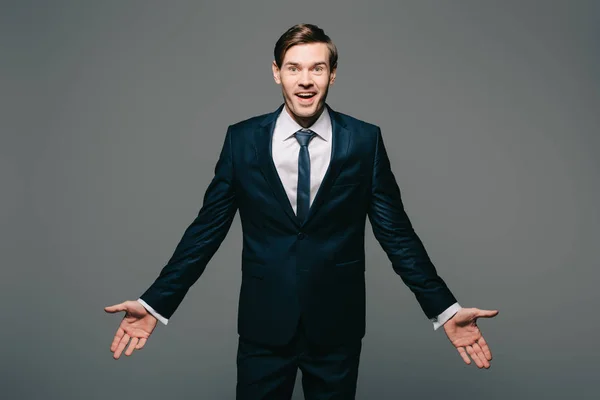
x,y
113,114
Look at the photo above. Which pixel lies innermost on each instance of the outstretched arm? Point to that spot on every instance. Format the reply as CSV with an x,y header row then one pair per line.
x,y
409,259
199,243
394,231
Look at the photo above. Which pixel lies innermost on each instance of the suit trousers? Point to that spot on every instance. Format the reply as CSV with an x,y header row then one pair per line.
x,y
269,372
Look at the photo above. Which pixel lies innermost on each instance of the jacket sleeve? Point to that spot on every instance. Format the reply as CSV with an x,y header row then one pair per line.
x,y
394,231
200,240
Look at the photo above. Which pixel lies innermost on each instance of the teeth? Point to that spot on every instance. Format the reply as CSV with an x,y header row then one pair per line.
x,y
305,94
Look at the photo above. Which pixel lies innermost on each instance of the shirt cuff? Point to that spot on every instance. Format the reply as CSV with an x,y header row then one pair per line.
x,y
445,316
153,312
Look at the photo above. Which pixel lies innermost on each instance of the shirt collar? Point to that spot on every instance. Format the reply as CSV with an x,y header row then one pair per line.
x,y
286,126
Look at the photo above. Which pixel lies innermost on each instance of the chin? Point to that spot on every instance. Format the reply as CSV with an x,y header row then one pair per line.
x,y
302,110
307,109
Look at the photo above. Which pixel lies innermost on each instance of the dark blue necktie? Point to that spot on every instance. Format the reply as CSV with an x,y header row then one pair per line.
x,y
303,136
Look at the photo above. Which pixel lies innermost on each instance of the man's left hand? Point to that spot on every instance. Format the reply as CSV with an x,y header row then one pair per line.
x,y
463,333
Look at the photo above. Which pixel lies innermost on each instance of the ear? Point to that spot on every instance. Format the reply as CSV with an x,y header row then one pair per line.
x,y
332,77
276,73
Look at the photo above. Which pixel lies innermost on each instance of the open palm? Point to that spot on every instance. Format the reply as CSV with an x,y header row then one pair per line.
x,y
137,325
464,334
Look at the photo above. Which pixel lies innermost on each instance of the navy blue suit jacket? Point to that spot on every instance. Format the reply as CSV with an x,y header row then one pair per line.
x,y
291,268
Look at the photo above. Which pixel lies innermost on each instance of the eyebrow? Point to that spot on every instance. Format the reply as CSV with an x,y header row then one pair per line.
x,y
298,64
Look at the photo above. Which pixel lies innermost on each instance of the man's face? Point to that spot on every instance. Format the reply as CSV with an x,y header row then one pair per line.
x,y
305,70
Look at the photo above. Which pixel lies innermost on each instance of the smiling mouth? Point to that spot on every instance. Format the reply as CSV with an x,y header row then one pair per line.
x,y
306,99
306,95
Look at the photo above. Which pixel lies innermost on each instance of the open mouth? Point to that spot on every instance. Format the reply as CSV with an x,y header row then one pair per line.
x,y
306,97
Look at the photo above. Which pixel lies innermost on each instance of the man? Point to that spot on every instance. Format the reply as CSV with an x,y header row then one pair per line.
x,y
304,178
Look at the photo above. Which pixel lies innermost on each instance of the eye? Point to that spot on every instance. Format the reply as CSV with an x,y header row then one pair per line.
x,y
319,68
293,69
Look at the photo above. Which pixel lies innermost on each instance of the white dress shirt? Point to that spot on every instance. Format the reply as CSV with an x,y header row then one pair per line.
x,y
285,150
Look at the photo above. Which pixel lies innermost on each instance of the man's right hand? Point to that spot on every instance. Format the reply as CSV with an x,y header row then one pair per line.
x,y
137,325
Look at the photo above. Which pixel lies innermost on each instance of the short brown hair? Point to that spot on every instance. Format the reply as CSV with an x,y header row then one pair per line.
x,y
304,33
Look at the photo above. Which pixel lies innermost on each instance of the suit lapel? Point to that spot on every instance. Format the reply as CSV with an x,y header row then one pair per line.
x,y
341,138
263,135
263,148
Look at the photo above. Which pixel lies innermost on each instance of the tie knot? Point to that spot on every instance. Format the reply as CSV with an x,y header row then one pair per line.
x,y
304,136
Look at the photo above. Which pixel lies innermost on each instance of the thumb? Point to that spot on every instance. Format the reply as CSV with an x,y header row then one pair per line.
x,y
116,308
486,313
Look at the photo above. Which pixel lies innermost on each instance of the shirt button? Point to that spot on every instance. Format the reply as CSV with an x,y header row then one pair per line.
x,y
301,235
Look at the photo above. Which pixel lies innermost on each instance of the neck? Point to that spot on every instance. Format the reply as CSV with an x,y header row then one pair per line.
x,y
305,122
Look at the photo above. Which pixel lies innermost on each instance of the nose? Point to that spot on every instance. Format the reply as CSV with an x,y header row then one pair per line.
x,y
305,78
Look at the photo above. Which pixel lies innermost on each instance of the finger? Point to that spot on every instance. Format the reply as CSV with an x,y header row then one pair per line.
x,y
463,354
115,308
121,346
141,344
132,346
484,346
473,355
486,313
479,352
116,339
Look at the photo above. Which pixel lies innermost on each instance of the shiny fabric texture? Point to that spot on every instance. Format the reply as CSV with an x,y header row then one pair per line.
x,y
312,267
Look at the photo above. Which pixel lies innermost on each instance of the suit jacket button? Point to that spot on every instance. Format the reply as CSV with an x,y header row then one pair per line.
x,y
301,235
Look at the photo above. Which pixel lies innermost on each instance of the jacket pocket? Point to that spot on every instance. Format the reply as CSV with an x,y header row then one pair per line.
x,y
349,180
354,265
350,184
